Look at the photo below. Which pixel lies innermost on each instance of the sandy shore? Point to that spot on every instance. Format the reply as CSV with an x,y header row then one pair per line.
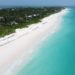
x,y
20,46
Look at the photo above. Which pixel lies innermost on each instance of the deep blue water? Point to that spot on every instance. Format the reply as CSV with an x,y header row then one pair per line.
x,y
56,55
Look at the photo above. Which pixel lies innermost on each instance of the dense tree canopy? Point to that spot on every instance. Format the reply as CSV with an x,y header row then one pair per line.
x,y
12,18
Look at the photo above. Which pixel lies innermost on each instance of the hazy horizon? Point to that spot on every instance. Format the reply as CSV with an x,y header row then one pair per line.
x,y
37,3
19,6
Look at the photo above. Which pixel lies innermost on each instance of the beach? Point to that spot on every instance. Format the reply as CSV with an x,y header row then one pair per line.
x,y
18,48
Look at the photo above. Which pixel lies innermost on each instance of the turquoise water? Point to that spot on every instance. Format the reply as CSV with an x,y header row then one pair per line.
x,y
56,55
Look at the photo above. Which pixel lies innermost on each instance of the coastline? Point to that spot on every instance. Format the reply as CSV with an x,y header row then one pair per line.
x,y
13,53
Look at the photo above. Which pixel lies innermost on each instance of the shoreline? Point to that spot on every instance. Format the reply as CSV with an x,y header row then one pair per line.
x,y
12,37
22,48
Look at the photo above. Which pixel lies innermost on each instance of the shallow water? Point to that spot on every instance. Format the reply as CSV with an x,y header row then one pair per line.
x,y
56,55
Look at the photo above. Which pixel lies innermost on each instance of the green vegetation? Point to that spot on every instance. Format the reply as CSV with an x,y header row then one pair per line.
x,y
13,18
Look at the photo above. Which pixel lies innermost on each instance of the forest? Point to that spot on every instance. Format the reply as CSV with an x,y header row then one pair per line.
x,y
13,18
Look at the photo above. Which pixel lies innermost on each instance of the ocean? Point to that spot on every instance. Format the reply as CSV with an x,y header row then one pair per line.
x,y
56,55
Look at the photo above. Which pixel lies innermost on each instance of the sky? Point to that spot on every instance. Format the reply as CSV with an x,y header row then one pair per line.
x,y
37,2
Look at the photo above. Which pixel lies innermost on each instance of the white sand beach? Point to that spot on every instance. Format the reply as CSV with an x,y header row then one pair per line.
x,y
19,47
